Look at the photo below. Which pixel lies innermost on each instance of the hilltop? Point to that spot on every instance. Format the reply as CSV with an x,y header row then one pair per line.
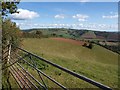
x,y
108,40
77,34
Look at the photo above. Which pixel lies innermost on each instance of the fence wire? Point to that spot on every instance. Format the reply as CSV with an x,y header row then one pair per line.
x,y
27,81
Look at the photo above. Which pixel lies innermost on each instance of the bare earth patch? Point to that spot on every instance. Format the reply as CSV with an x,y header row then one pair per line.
x,y
69,41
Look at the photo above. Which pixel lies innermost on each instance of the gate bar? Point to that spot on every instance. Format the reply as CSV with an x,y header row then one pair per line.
x,y
104,87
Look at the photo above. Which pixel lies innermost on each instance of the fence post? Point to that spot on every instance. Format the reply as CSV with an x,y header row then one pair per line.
x,y
9,52
7,62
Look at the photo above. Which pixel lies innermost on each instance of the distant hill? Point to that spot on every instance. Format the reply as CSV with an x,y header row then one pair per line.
x,y
89,35
77,34
113,37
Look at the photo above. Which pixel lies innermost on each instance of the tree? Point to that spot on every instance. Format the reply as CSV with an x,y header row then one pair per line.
x,y
54,35
8,7
0,23
85,44
39,34
90,46
10,33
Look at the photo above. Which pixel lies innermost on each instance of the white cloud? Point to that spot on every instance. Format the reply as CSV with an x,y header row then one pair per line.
x,y
89,26
101,27
111,16
81,17
59,16
24,14
84,0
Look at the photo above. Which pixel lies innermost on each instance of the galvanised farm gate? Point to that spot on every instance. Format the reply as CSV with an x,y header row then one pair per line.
x,y
26,81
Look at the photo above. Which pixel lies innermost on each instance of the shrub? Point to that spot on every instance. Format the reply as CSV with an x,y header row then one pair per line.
x,y
54,34
90,46
61,35
85,44
11,34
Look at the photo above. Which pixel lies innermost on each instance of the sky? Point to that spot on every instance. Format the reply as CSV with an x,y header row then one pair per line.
x,y
70,0
100,16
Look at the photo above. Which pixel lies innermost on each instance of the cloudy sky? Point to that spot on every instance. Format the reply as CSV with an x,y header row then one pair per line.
x,y
102,16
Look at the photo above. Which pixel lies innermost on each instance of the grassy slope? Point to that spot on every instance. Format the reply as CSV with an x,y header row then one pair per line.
x,y
64,33
98,64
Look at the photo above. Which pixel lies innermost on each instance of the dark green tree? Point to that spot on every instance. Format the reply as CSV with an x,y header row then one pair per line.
x,y
90,46
8,7
39,34
11,33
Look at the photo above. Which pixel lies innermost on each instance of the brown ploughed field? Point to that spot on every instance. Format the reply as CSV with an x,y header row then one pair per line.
x,y
69,41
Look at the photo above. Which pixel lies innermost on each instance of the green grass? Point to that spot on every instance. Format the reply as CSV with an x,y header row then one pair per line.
x,y
98,63
64,33
12,83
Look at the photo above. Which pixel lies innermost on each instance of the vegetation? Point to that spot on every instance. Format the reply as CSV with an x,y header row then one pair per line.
x,y
92,63
114,48
88,45
77,34
0,22
37,34
85,35
9,29
52,32
11,33
8,7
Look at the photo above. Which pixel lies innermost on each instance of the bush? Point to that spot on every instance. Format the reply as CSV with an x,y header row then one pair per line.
x,y
11,34
85,44
90,46
54,34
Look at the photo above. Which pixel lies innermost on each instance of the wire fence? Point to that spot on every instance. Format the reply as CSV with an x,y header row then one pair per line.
x,y
22,62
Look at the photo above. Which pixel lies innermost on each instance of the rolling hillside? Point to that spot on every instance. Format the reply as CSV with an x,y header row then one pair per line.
x,y
98,63
77,34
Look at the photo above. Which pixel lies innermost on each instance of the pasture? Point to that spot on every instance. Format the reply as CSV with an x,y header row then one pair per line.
x,y
97,63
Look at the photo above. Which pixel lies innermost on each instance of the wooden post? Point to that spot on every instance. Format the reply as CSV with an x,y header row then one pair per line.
x,y
8,62
9,52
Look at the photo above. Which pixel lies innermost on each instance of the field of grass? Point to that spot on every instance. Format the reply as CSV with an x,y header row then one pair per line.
x,y
98,63
63,33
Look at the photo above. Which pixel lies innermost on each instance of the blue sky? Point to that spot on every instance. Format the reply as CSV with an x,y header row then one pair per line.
x,y
102,16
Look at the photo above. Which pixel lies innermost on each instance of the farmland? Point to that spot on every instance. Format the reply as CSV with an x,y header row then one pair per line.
x,y
98,63
105,39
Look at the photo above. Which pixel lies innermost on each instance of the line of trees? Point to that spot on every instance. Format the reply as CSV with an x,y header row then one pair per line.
x,y
37,34
114,48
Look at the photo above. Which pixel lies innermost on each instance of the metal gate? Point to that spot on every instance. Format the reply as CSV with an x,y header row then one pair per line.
x,y
18,61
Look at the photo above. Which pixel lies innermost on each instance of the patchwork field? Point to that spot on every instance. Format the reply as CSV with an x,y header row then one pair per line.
x,y
69,41
97,63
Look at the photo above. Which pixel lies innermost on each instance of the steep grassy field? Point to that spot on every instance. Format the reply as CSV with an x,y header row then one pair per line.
x,y
98,63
